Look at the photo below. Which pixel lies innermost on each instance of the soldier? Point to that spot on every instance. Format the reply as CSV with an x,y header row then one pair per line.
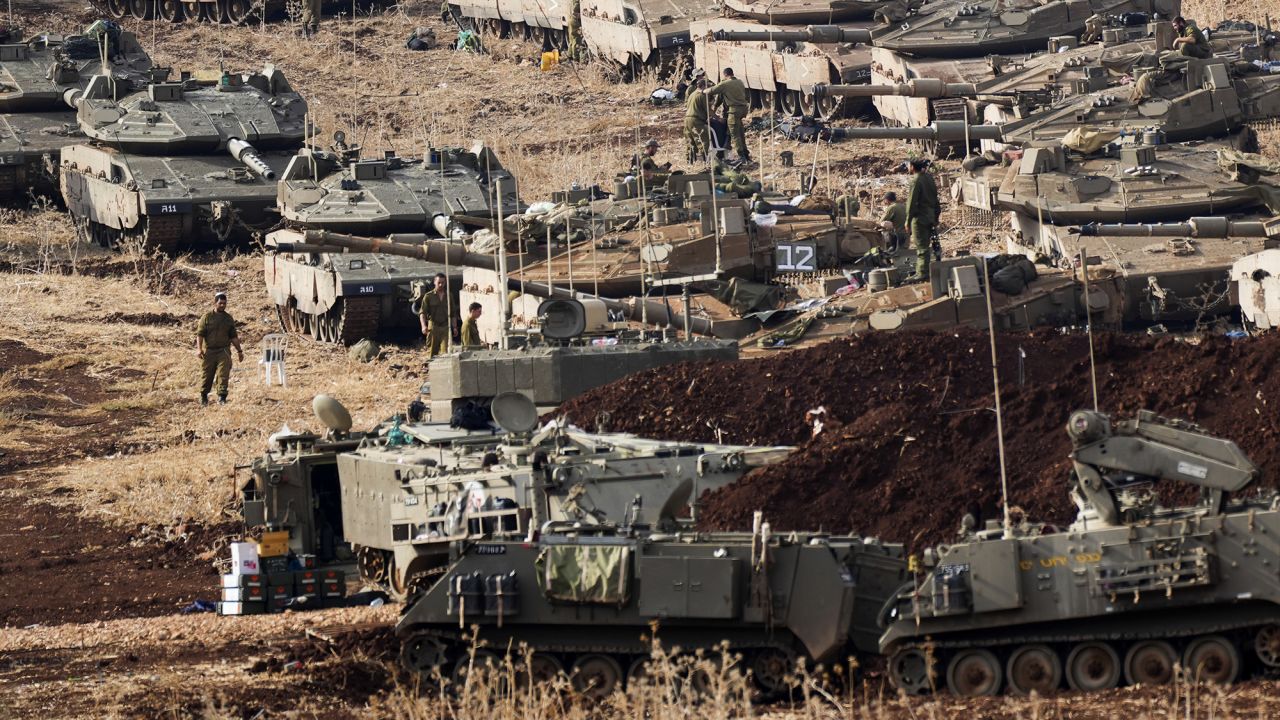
x,y
215,336
470,333
433,316
654,174
731,93
577,44
893,221
310,17
1190,42
922,214
697,108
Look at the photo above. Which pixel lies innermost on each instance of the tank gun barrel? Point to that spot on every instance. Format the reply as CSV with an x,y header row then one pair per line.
x,y
942,131
245,153
812,33
1201,227
920,88
434,250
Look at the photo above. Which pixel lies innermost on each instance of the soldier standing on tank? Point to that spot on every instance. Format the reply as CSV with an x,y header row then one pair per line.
x,y
697,108
1190,42
310,17
471,333
433,316
732,94
922,215
215,336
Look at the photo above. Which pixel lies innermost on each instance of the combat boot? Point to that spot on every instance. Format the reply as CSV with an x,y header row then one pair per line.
x,y
222,399
204,399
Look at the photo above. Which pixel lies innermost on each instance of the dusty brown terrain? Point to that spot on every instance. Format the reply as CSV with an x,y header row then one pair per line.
x,y
115,485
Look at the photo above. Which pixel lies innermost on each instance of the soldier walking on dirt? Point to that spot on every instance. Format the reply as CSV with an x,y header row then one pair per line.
x,y
310,17
215,336
433,316
922,215
731,93
697,108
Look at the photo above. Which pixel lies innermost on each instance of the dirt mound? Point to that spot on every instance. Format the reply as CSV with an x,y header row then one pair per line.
x,y
909,441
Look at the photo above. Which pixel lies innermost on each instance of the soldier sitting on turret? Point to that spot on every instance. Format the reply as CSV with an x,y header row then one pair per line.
x,y
1190,42
645,165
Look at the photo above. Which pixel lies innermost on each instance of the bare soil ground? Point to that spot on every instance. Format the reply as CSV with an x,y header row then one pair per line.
x,y
115,484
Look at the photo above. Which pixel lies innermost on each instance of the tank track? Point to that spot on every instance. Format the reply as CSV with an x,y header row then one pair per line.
x,y
1239,626
235,12
8,182
162,234
349,321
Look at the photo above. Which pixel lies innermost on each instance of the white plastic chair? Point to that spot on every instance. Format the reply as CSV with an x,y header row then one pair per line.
x,y
273,355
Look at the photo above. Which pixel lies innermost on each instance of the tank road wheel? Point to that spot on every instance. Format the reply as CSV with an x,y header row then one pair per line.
x,y
117,9
422,654
771,670
789,101
768,101
829,107
974,673
170,10
484,662
1266,645
638,672
596,676
523,31
212,11
542,669
191,10
371,563
498,28
1213,658
142,9
559,39
1034,668
808,104
239,11
1149,662
1093,666
911,671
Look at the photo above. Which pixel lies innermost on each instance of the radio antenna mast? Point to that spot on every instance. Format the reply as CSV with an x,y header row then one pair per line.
x,y
995,378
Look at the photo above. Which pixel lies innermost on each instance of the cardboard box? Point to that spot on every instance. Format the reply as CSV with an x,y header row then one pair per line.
x,y
241,608
233,580
273,544
244,559
246,594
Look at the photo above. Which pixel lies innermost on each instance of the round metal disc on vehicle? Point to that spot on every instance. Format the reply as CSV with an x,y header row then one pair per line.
x,y
1149,663
1034,668
1154,108
1014,18
887,319
105,116
596,676
1093,666
974,673
1092,184
1213,658
514,412
1266,644
331,412
909,671
658,252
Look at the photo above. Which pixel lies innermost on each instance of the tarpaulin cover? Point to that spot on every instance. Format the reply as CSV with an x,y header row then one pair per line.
x,y
1088,140
586,573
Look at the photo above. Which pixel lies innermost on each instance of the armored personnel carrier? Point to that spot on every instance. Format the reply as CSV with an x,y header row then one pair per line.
x,y
584,598
181,162
34,123
629,35
1126,592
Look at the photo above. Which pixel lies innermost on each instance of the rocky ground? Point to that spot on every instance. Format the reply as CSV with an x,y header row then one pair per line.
x,y
118,489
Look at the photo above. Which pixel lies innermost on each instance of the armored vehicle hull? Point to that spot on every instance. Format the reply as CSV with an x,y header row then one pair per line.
x,y
1125,593
35,74
806,12
216,11
774,600
169,204
30,145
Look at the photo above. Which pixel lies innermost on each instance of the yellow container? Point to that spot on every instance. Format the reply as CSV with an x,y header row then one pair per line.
x,y
274,544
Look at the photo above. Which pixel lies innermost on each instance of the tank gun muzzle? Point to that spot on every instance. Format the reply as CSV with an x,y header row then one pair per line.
x,y
245,153
919,88
941,131
827,34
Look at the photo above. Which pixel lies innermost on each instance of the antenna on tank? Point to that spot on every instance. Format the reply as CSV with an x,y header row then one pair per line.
x,y
995,378
1088,325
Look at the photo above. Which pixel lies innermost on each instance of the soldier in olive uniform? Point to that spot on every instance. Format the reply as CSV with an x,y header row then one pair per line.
x,y
433,316
215,336
471,333
654,173
922,214
893,222
310,16
697,108
1190,42
731,93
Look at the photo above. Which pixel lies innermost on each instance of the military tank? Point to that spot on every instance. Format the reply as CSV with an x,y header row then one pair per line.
x,y
583,600
181,163
232,11
34,73
629,35
1123,594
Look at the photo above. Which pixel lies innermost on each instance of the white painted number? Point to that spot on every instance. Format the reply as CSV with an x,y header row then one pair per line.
x,y
795,258
366,289
168,209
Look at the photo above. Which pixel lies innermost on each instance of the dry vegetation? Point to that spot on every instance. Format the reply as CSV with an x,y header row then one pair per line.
x,y
118,380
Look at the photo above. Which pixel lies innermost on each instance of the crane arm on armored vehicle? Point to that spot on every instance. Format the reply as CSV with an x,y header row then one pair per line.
x,y
1150,447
